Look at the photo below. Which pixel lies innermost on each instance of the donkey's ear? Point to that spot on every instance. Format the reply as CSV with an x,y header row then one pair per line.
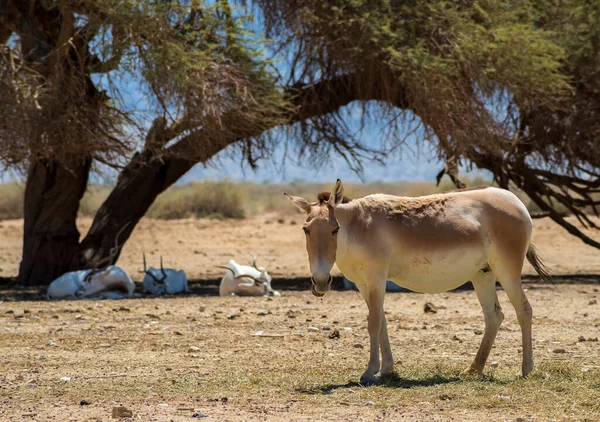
x,y
301,203
337,195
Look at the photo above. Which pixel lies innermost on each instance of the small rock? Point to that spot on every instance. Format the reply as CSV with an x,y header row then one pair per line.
x,y
559,351
581,338
494,364
592,338
326,328
121,412
233,316
313,329
43,357
124,309
84,403
430,308
263,313
199,415
202,308
335,334
51,343
193,349
65,379
592,302
163,405
477,332
358,345
178,333
456,338
370,403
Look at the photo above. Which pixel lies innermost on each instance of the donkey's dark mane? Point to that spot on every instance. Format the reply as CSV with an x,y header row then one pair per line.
x,y
323,197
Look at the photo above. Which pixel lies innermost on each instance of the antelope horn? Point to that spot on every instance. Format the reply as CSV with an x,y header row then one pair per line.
x,y
227,268
162,270
254,262
144,255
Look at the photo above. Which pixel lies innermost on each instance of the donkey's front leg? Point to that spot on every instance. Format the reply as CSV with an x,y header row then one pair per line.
x,y
374,298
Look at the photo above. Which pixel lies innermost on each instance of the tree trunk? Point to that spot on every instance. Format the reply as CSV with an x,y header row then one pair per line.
x,y
138,186
50,235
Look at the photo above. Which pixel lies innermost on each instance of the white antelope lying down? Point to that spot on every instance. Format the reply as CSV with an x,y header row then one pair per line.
x,y
164,280
243,280
427,244
110,282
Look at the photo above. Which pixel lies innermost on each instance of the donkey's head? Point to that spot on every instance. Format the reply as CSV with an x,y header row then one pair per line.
x,y
321,228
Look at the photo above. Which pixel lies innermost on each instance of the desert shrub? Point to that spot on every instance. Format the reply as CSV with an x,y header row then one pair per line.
x,y
201,199
11,200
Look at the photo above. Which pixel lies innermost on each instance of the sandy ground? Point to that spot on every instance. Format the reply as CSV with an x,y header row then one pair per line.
x,y
278,241
274,359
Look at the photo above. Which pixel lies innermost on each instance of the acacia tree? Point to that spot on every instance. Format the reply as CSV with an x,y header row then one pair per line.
x,y
486,82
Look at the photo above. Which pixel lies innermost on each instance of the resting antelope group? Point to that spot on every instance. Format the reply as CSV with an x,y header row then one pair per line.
x,y
428,244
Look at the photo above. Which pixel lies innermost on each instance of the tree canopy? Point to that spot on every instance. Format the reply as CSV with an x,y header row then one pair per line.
x,y
510,87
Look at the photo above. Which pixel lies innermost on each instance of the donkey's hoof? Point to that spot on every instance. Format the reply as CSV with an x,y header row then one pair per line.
x,y
367,380
471,372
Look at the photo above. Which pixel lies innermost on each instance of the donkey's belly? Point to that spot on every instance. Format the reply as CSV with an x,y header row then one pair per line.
x,y
436,272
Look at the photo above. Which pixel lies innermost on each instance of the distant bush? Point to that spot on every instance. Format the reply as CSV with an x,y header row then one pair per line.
x,y
11,200
202,199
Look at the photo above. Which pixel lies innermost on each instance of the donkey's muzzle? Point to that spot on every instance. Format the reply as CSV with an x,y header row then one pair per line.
x,y
319,288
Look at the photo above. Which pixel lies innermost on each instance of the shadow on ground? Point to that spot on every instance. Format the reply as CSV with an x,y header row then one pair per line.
x,y
11,291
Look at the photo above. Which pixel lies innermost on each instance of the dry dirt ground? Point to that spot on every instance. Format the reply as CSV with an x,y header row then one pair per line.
x,y
295,357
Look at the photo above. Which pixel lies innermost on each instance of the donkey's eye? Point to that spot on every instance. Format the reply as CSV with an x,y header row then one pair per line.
x,y
335,231
306,231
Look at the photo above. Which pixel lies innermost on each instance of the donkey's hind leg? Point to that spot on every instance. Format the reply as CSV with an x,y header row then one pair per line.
x,y
485,287
516,295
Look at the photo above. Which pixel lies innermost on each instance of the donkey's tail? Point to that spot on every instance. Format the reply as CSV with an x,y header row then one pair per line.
x,y
538,263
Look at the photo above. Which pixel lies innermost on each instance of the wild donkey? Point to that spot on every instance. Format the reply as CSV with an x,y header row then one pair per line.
x,y
428,244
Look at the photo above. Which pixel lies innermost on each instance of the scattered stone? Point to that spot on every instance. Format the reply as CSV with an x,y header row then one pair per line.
x,y
430,308
494,364
121,412
84,403
335,334
52,343
65,379
592,302
178,333
478,332
559,351
163,405
326,328
592,338
346,328
263,313
358,345
193,349
199,415
124,309
581,338
313,329
456,338
233,316
369,403
43,357
202,308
